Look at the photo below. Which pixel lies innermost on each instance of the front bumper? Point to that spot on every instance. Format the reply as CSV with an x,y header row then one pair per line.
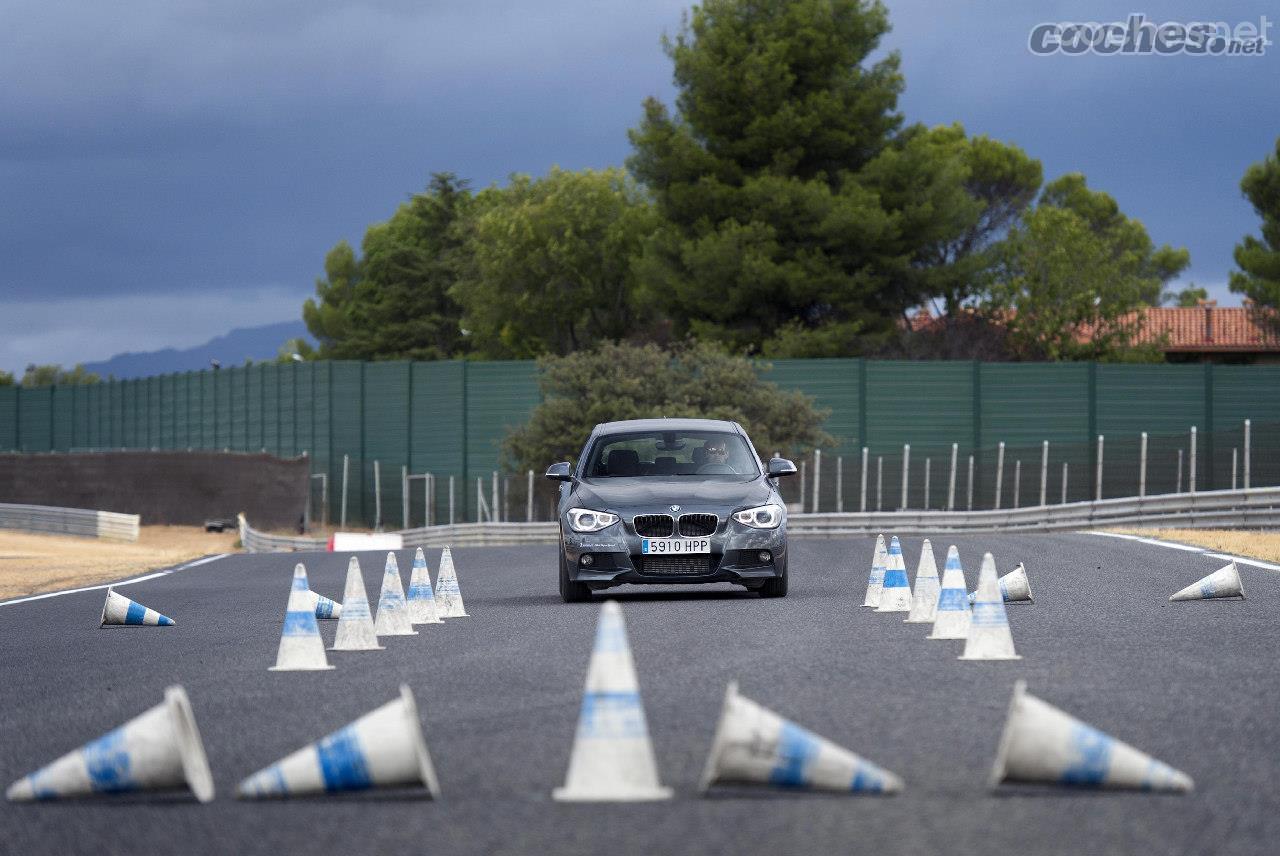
x,y
616,558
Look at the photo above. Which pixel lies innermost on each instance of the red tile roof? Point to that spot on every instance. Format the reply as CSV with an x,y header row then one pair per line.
x,y
1209,328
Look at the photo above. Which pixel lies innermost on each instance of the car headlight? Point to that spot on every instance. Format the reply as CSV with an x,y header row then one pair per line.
x,y
587,520
761,517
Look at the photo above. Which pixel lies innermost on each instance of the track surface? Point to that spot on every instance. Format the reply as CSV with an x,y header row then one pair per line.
x,y
1194,684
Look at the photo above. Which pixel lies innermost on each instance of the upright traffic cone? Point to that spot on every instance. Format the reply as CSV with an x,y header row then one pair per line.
x,y
422,600
156,750
924,597
952,618
1044,744
355,627
301,648
755,746
895,592
989,636
118,609
612,759
1224,582
384,748
875,582
1014,587
447,592
393,612
323,607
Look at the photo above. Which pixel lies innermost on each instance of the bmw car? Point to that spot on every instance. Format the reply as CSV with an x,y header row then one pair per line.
x,y
662,501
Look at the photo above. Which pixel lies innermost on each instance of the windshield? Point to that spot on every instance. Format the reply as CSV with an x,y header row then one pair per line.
x,y
665,454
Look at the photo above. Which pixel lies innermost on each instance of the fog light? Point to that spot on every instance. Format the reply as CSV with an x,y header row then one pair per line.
x,y
586,559
764,556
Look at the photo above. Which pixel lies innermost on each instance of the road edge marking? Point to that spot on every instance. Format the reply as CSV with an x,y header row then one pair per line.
x,y
203,560
1191,548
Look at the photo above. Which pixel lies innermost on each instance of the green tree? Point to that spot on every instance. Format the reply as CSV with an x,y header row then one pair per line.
x,y
547,267
1259,259
393,301
6,378
628,381
778,220
54,375
1190,296
296,350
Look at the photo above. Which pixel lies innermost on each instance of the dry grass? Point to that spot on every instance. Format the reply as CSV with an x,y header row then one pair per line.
x,y
30,564
1239,542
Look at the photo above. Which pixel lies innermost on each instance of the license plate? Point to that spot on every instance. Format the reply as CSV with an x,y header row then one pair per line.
x,y
674,546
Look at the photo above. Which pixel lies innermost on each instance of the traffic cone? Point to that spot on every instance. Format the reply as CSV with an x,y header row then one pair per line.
x,y
393,612
753,745
156,750
952,618
323,607
355,627
989,636
924,598
1044,744
1224,582
384,748
1014,587
301,648
875,582
612,759
447,592
895,592
118,609
422,600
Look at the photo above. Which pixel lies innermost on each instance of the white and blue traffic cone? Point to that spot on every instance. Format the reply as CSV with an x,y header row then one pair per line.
x,y
156,750
1014,587
989,635
119,610
924,597
1224,582
895,593
875,580
355,627
952,618
448,595
323,607
393,613
755,746
301,648
384,748
422,600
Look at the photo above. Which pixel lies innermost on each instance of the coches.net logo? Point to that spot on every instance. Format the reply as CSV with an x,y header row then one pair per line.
x,y
1138,36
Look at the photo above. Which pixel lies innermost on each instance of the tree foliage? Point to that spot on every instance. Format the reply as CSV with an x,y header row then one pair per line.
x,y
7,379
1259,258
55,375
1190,296
627,381
547,263
393,301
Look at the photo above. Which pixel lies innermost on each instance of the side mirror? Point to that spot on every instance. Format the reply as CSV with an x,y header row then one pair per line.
x,y
563,472
781,467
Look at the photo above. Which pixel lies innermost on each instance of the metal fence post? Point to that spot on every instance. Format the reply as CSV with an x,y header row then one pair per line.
x,y
1142,466
802,484
840,484
817,477
1191,465
346,467
1044,472
377,497
1064,482
528,499
879,481
495,513
951,483
1098,477
451,500
906,465
1247,456
480,509
1017,483
999,473
404,497
1178,484
970,483
927,462
1234,456
862,504
428,498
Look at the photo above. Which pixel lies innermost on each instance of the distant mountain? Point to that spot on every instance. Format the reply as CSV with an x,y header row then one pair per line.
x,y
255,343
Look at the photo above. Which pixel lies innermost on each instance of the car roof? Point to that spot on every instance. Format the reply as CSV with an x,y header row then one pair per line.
x,y
628,425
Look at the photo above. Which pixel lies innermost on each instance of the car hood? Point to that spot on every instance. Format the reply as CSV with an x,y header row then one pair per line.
x,y
631,492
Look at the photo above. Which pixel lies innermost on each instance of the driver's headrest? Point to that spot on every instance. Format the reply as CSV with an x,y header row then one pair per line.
x,y
624,462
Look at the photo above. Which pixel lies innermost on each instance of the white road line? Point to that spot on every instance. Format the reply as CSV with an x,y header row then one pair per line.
x,y
206,560
1173,545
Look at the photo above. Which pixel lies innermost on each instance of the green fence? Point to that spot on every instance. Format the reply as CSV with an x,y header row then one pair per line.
x,y
448,419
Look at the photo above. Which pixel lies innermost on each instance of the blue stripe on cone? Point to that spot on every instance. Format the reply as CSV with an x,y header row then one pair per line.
x,y
797,747
342,762
136,614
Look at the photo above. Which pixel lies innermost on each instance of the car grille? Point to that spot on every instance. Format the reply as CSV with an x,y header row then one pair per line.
x,y
698,525
653,525
698,563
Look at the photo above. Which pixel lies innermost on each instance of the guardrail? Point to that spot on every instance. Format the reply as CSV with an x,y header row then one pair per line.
x,y
1249,509
84,522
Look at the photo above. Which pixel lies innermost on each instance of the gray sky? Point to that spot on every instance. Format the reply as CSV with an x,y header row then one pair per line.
x,y
171,170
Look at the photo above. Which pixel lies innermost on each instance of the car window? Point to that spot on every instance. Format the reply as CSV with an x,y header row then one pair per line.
x,y
667,454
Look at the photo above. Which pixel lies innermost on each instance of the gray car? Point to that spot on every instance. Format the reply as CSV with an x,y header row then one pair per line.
x,y
662,501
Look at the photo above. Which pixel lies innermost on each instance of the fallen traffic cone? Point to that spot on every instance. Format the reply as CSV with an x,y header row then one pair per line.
x,y
156,750
612,759
447,592
383,748
1014,587
355,627
1224,582
1044,744
301,648
952,618
989,636
895,592
753,745
924,598
323,607
393,612
118,609
876,579
422,600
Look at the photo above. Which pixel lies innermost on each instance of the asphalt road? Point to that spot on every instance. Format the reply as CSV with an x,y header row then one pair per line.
x,y
1194,684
